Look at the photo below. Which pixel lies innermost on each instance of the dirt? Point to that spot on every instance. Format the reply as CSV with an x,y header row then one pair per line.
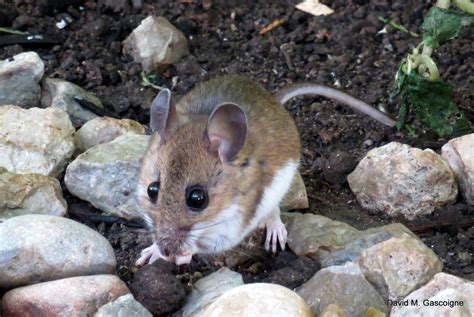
x,y
344,49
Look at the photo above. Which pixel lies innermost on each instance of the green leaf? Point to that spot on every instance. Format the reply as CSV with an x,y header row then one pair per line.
x,y
441,25
431,102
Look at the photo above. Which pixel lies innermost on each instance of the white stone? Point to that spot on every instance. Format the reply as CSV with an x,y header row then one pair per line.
x,y
35,140
19,80
445,290
124,306
399,265
74,296
459,154
104,129
259,299
400,180
156,42
111,169
22,194
58,93
36,248
344,286
208,289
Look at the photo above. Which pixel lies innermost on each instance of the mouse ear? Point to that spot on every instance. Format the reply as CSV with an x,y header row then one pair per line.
x,y
163,116
227,131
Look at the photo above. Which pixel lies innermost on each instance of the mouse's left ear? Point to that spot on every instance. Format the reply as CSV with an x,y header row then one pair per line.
x,y
227,131
163,116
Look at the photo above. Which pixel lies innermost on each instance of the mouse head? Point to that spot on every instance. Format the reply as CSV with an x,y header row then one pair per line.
x,y
189,180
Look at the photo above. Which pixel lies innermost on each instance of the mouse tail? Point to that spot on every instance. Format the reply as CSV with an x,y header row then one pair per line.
x,y
302,89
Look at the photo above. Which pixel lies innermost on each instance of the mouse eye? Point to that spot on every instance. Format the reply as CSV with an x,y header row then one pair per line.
x,y
197,198
153,190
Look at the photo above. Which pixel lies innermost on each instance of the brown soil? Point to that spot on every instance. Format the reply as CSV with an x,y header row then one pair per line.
x,y
344,48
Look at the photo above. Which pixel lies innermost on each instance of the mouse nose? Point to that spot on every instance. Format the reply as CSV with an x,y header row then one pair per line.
x,y
168,247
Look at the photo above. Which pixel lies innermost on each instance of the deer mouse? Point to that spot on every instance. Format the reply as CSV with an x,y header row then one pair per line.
x,y
219,163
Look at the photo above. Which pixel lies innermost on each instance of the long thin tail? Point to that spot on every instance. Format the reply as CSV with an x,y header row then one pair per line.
x,y
332,93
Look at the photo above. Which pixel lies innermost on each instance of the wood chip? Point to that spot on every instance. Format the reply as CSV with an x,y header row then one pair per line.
x,y
314,7
272,25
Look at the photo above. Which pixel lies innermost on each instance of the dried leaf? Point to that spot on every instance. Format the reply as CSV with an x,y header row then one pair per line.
x,y
314,7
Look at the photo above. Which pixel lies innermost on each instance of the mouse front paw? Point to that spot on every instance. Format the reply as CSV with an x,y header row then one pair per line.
x,y
149,255
276,233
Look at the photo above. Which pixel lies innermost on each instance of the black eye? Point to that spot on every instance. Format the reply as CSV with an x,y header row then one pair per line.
x,y
153,190
197,198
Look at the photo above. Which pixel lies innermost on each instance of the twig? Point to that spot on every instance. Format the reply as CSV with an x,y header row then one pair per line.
x,y
94,108
12,31
272,25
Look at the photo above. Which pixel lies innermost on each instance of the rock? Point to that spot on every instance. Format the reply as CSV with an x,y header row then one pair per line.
x,y
35,140
43,248
74,296
459,154
124,306
19,80
307,233
345,286
206,290
351,250
155,42
333,311
372,312
59,93
259,299
399,265
158,289
112,170
400,180
22,194
444,295
296,198
104,129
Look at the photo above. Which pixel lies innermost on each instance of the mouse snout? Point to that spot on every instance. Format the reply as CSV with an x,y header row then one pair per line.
x,y
170,244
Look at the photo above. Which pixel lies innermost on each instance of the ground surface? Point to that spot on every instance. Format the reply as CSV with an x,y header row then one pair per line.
x,y
344,48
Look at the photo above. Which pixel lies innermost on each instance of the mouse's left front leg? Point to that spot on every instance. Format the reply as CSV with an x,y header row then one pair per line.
x,y
275,228
149,255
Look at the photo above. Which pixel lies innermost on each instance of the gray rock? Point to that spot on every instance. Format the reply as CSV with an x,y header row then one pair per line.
x,y
19,80
400,180
155,43
112,170
259,299
399,265
59,93
351,250
309,233
35,140
124,306
22,194
344,286
104,129
208,289
454,295
459,154
74,296
43,248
